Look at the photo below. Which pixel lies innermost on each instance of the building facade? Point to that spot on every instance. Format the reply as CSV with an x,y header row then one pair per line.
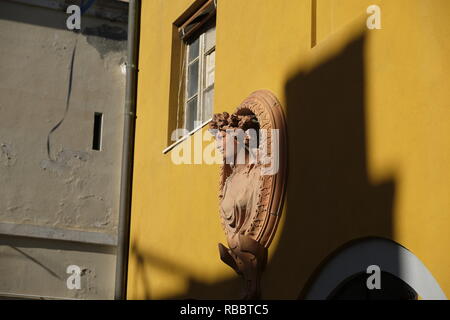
x,y
62,96
364,89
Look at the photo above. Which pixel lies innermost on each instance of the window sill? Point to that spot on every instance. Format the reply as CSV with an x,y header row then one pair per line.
x,y
173,145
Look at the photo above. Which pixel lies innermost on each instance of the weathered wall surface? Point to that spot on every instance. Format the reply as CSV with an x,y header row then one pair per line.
x,y
37,268
369,121
66,185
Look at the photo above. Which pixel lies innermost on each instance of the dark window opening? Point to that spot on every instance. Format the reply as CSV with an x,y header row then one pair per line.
x,y
97,137
355,288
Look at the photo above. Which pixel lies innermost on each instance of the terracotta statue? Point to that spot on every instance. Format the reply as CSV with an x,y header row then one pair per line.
x,y
251,196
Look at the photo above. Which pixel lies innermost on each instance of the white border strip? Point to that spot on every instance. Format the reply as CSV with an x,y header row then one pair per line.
x,y
51,233
31,296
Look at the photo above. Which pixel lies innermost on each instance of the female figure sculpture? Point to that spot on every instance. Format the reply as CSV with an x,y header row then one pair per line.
x,y
250,197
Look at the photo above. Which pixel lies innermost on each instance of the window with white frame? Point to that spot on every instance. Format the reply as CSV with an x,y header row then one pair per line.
x,y
199,73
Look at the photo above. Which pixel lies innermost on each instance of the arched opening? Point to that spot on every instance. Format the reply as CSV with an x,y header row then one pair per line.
x,y
403,276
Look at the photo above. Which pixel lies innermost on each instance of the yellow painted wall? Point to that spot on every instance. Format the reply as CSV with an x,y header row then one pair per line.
x,y
369,140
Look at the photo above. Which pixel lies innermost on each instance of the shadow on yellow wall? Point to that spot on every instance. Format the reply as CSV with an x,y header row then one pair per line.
x,y
330,199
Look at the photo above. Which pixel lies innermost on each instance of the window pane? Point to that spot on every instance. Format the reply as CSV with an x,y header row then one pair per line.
x,y
208,103
192,81
209,70
191,114
210,38
193,50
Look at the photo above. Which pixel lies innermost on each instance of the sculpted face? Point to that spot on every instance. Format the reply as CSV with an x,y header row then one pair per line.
x,y
228,146
235,135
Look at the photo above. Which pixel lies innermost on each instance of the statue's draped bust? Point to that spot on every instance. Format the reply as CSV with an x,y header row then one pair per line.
x,y
251,196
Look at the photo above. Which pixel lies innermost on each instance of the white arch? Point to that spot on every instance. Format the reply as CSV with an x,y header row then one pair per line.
x,y
389,256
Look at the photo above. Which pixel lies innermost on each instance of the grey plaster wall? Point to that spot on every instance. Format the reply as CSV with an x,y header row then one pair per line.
x,y
51,180
37,268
